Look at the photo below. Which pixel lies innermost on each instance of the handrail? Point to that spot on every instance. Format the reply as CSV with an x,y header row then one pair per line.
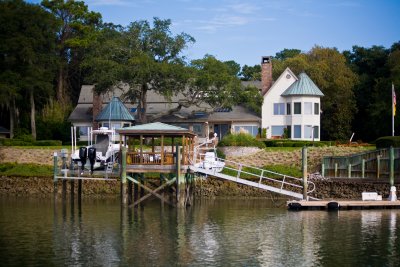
x,y
150,158
261,176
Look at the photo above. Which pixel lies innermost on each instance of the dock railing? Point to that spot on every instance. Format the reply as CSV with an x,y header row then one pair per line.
x,y
372,164
150,158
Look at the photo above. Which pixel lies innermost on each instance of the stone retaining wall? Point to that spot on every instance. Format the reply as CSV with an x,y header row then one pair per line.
x,y
204,188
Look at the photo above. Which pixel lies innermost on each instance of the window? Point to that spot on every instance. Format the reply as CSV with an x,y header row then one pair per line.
x,y
279,108
316,108
308,131
198,128
316,132
297,131
82,130
277,130
250,129
297,107
104,124
126,125
307,108
288,110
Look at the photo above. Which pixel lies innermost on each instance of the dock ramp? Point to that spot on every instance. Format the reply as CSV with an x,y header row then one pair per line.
x,y
252,176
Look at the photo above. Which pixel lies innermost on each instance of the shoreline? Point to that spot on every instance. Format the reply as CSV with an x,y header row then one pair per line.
x,y
204,188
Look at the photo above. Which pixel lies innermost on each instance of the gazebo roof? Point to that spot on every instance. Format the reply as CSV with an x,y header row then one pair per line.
x,y
115,111
155,128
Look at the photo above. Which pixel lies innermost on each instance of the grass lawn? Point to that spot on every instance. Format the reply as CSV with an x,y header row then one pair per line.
x,y
25,170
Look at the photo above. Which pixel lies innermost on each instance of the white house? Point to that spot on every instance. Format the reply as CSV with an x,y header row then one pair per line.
x,y
291,103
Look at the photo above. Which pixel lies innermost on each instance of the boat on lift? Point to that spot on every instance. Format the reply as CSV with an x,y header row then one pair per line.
x,y
101,152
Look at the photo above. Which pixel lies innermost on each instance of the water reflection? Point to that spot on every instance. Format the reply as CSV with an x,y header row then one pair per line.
x,y
99,232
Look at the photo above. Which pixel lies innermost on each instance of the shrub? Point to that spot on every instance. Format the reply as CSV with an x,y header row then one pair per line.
x,y
293,143
26,142
241,139
387,141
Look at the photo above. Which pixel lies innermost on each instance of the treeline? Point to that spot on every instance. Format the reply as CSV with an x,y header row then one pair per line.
x,y
357,85
48,51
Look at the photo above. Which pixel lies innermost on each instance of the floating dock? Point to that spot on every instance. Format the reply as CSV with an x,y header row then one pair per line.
x,y
342,205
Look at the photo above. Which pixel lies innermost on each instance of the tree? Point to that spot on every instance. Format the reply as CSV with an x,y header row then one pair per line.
x,y
251,73
77,28
27,50
287,53
373,92
234,67
143,57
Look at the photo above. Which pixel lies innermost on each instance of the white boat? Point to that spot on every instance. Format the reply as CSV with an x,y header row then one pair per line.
x,y
106,150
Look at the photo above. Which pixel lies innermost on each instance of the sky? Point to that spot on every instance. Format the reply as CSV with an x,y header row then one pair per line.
x,y
244,31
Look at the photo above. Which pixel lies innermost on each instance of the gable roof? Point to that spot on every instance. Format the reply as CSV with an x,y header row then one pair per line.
x,y
115,111
280,78
303,86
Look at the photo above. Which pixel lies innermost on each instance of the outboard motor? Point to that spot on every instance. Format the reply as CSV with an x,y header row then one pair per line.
x,y
92,157
83,156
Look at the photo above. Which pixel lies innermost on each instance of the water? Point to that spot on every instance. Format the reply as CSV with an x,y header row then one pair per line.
x,y
35,232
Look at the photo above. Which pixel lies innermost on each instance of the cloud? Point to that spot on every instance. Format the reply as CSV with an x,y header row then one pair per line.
x,y
244,8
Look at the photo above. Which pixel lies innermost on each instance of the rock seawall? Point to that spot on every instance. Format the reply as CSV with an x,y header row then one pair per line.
x,y
204,188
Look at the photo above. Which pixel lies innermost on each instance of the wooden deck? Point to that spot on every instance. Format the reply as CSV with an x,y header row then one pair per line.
x,y
342,204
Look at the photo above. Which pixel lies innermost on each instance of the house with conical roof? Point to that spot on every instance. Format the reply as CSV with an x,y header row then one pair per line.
x,y
292,105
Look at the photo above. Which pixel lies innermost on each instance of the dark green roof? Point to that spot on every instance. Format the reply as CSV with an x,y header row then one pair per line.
x,y
303,86
115,111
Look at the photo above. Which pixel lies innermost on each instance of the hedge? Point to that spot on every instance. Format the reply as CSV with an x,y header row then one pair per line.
x,y
241,139
292,143
19,142
387,141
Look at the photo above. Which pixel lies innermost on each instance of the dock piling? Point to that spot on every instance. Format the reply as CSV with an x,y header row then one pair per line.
x,y
304,169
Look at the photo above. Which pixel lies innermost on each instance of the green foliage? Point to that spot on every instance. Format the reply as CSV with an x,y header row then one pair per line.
x,y
287,53
251,73
25,170
220,154
30,142
291,143
241,139
284,169
251,98
387,141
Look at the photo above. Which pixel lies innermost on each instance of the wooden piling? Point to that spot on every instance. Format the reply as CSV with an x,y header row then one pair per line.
x,y
123,176
55,172
304,170
391,158
349,171
378,166
363,168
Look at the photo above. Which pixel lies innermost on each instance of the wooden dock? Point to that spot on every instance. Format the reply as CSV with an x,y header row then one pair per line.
x,y
342,205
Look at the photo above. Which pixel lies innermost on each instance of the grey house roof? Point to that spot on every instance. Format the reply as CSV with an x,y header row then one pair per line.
x,y
115,111
157,104
303,86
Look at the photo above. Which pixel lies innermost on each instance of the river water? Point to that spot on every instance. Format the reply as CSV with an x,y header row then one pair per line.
x,y
97,232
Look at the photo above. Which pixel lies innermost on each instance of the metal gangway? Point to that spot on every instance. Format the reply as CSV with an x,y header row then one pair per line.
x,y
207,163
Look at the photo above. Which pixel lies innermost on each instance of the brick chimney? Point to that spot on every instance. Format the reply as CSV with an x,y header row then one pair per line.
x,y
266,74
97,106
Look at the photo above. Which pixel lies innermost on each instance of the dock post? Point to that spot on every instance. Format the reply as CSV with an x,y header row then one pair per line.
x,y
336,168
378,166
349,171
123,176
180,198
391,158
363,168
304,169
323,170
55,172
